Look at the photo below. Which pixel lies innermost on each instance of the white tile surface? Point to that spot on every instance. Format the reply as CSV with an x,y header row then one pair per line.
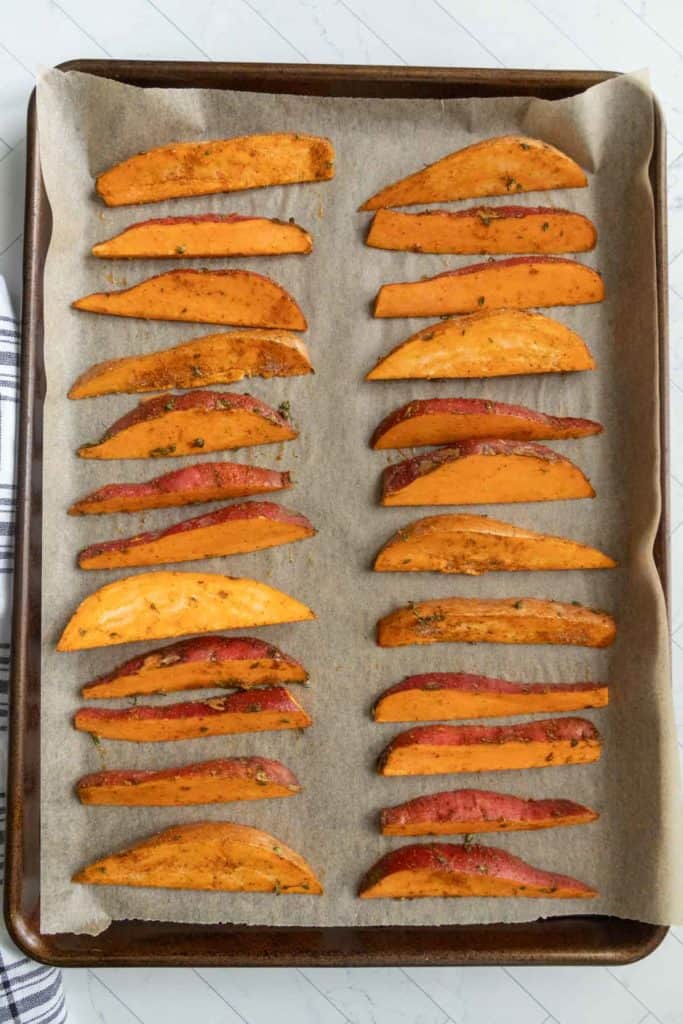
x,y
618,34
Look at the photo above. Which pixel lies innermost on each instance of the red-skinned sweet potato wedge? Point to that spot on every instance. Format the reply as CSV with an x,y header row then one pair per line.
x,y
158,605
503,165
200,421
468,811
207,782
482,230
472,545
482,473
448,695
492,343
219,165
262,711
449,869
441,749
206,235
240,298
509,620
431,421
216,855
517,283
199,663
233,530
213,359
192,485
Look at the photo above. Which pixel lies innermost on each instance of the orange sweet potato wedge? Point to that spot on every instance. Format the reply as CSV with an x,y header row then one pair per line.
x,y
482,473
472,545
213,359
482,230
241,298
232,530
516,283
220,165
449,869
216,855
208,782
197,664
442,749
492,343
510,620
158,605
449,695
206,235
429,421
262,711
205,481
468,811
503,165
200,421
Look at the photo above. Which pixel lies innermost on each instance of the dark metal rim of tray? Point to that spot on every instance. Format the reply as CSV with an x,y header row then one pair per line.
x,y
584,939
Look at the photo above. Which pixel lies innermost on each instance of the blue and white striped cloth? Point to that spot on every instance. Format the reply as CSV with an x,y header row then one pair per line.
x,y
29,993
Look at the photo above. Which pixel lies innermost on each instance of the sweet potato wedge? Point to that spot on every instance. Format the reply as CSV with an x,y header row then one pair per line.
x,y
215,855
493,343
449,869
238,297
207,235
516,283
196,664
449,695
503,165
157,605
472,545
206,421
483,473
440,749
265,711
233,530
468,811
206,481
221,165
482,230
208,782
430,421
213,359
509,620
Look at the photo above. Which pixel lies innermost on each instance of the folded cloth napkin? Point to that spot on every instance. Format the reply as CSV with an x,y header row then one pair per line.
x,y
28,991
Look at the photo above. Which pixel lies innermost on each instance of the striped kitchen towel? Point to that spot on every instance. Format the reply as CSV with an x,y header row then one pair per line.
x,y
29,993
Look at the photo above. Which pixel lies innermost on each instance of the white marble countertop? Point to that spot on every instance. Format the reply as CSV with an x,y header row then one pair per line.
x,y
617,34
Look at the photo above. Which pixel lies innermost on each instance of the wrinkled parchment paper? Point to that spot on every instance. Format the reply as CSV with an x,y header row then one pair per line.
x,y
87,124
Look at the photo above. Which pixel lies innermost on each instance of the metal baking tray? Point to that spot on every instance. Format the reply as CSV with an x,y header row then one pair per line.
x,y
582,939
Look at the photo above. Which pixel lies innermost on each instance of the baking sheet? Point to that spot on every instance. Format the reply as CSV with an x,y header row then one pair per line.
x,y
85,125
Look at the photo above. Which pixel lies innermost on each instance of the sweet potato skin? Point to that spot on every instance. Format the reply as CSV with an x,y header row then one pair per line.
x,y
512,620
473,545
212,359
444,749
240,298
199,663
191,485
517,283
492,343
469,811
448,869
222,165
158,605
214,855
265,711
452,695
481,472
208,782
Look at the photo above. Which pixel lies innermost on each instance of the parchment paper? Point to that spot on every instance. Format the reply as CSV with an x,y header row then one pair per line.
x,y
633,853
